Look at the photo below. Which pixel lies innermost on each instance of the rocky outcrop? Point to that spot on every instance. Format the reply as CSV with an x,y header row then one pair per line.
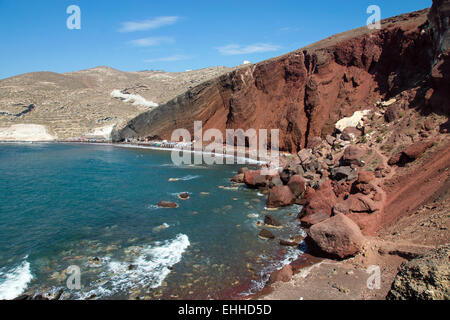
x,y
305,92
438,95
424,278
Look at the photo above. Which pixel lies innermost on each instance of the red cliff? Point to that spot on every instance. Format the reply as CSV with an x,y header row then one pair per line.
x,y
305,92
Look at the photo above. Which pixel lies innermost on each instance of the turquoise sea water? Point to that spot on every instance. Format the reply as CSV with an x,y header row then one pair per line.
x,y
95,207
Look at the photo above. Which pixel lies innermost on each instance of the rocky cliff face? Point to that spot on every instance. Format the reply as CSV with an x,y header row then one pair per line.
x,y
438,26
305,92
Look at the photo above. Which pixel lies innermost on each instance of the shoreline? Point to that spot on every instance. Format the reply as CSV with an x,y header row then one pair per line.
x,y
248,289
246,159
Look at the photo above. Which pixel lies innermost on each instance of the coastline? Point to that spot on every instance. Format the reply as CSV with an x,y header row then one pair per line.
x,y
246,160
233,293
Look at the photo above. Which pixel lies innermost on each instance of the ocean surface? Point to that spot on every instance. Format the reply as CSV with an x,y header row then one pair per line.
x,y
94,207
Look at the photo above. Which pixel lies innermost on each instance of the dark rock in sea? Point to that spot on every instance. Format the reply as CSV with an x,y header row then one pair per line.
x,y
58,294
239,178
183,196
270,221
166,204
266,234
288,243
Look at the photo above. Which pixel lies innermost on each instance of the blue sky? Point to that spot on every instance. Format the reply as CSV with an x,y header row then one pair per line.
x,y
171,35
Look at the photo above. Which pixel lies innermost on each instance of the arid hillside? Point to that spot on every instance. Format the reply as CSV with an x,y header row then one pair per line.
x,y
305,92
48,106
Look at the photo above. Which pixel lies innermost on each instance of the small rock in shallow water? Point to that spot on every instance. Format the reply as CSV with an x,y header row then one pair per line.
x,y
271,222
166,204
183,196
288,243
266,234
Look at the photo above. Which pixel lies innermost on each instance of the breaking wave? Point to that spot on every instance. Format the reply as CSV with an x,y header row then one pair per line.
x,y
13,282
149,268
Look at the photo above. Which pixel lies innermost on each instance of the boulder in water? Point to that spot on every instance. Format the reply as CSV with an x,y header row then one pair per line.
x,y
167,204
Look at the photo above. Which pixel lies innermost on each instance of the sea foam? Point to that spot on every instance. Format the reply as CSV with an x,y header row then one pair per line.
x,y
14,281
150,268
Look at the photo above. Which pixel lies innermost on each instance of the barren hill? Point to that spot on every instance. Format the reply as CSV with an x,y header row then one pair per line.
x,y
47,105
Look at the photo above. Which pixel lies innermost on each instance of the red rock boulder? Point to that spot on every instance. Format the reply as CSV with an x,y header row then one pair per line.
x,y
254,179
280,196
283,275
360,203
323,199
416,149
338,237
410,154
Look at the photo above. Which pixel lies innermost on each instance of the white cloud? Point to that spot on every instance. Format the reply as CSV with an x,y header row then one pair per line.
x,y
235,49
152,41
246,62
176,57
155,23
